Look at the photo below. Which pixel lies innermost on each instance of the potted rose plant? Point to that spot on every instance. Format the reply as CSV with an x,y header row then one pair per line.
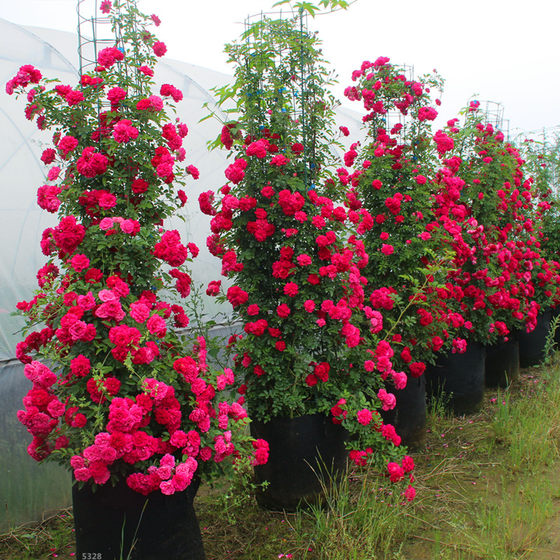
x,y
393,186
295,268
116,396
497,198
541,164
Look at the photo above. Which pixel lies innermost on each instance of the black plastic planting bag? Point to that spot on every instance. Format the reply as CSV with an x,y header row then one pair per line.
x,y
409,415
532,345
306,453
458,379
117,522
502,362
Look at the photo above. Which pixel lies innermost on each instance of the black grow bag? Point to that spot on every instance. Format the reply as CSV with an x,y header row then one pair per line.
x,y
554,313
532,345
458,379
502,362
409,415
306,454
114,521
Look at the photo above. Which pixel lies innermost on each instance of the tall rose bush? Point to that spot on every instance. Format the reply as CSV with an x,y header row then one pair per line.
x,y
508,275
115,393
391,177
292,253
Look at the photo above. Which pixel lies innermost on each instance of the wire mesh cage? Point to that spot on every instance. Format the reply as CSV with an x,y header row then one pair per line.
x,y
493,112
95,32
284,60
393,118
294,94
545,143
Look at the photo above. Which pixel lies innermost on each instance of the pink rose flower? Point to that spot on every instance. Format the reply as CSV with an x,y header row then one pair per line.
x,y
365,416
159,48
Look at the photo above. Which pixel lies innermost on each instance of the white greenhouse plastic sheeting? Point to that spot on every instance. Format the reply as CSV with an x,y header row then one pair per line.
x,y
54,53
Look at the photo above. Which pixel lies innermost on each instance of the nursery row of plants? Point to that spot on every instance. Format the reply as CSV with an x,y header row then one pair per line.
x,y
352,276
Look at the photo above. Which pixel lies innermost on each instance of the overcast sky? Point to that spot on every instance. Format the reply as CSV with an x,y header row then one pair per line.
x,y
506,51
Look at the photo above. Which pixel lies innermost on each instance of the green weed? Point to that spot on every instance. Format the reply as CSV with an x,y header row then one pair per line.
x,y
362,518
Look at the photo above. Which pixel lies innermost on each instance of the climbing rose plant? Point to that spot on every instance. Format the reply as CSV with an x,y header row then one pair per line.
x,y
502,269
290,252
115,393
390,180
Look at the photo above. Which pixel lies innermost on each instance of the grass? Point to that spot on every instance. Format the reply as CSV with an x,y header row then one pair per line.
x,y
486,489
51,538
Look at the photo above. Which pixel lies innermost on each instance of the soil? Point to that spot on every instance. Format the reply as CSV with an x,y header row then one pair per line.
x,y
550,550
